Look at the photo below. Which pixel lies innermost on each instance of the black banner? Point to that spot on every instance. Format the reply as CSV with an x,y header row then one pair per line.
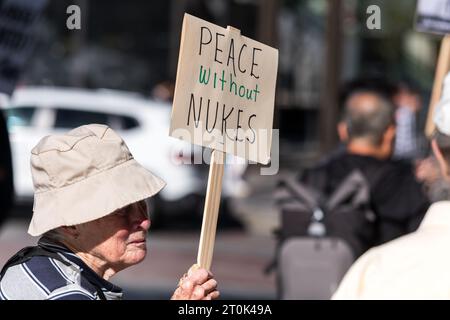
x,y
17,38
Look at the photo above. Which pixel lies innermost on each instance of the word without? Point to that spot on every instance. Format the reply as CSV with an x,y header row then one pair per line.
x,y
238,90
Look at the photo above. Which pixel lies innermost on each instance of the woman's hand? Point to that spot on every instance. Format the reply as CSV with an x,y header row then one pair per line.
x,y
197,284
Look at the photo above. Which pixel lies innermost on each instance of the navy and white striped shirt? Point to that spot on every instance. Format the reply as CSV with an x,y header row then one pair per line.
x,y
45,278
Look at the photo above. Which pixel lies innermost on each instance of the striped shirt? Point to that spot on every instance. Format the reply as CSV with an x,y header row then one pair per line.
x,y
45,278
405,135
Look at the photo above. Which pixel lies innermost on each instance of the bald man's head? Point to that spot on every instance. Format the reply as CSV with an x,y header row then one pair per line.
x,y
367,116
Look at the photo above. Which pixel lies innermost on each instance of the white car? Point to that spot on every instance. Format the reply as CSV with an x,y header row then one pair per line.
x,y
35,112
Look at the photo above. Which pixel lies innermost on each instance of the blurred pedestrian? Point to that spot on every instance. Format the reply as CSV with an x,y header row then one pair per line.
x,y
91,216
164,91
409,137
436,186
414,266
368,131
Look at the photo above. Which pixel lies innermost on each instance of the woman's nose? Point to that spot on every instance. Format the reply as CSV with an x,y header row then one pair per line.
x,y
139,218
145,224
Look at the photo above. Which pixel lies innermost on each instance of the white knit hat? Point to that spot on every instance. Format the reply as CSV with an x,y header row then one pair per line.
x,y
84,175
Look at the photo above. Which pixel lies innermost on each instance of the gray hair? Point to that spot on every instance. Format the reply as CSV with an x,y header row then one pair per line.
x,y
369,123
440,189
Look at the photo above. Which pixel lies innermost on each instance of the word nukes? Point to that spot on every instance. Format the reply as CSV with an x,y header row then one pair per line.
x,y
219,117
229,55
228,84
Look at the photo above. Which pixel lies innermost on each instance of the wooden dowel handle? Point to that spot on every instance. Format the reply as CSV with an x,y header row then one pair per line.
x,y
211,211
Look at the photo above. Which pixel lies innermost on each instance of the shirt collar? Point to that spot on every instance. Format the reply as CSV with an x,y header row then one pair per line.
x,y
437,216
86,271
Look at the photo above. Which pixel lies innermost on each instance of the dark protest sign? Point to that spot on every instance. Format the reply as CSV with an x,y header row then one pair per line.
x,y
17,27
225,90
433,16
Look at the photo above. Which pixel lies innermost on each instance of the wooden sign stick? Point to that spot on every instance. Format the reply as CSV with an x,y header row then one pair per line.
x,y
212,203
211,211
443,66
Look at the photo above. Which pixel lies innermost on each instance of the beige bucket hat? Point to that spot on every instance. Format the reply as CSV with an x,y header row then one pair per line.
x,y
84,175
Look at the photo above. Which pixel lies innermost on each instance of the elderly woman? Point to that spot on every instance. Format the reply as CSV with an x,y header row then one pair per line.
x,y
91,214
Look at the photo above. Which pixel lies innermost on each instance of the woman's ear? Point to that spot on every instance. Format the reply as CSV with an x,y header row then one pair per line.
x,y
440,158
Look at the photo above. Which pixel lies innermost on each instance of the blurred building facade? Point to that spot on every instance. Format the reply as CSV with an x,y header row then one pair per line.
x,y
133,45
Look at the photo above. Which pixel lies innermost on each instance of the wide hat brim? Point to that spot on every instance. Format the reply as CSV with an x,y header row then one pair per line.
x,y
93,197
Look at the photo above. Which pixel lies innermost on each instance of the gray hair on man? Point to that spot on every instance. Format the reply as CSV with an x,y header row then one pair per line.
x,y
368,114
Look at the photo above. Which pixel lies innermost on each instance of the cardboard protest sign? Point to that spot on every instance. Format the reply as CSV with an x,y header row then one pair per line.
x,y
433,16
443,66
225,91
224,100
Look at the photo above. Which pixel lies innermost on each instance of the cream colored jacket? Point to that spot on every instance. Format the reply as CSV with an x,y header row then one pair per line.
x,y
415,266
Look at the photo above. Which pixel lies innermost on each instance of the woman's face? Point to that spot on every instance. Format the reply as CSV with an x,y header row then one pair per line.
x,y
119,239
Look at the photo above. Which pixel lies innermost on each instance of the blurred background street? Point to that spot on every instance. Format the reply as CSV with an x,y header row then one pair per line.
x,y
119,69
